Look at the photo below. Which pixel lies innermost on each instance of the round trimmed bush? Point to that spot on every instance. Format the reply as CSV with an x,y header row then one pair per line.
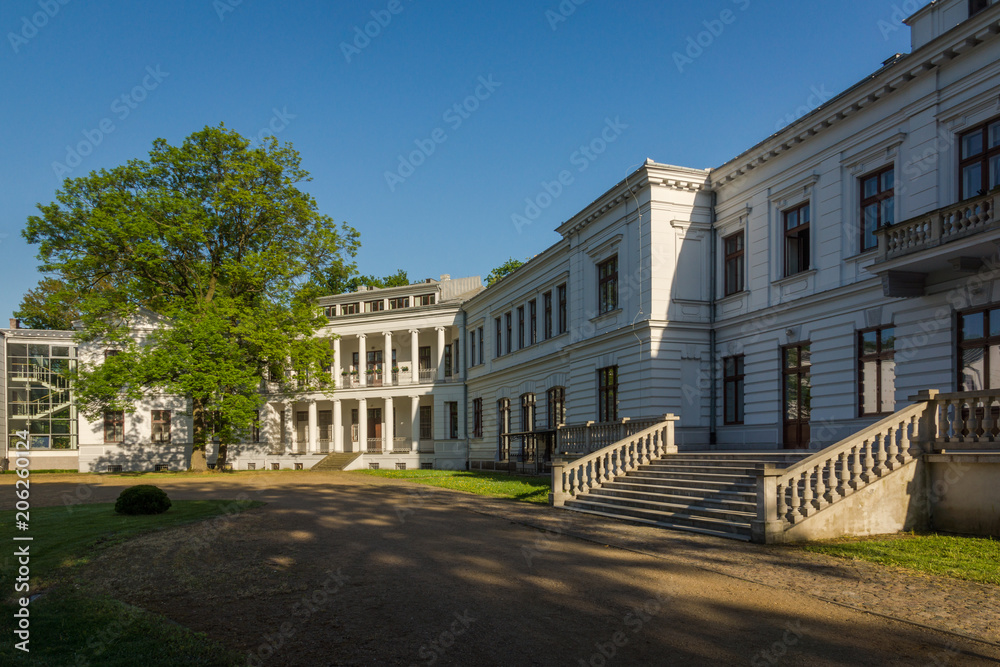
x,y
142,499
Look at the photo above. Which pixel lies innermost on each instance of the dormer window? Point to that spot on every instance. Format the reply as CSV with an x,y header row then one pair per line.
x,y
426,300
350,309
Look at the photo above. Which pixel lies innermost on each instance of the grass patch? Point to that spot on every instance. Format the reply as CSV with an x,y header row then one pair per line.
x,y
68,627
65,537
969,558
52,471
492,484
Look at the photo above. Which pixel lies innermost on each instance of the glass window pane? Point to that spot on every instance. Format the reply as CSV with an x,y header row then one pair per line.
x,y
888,211
888,386
871,224
994,171
806,355
994,367
739,365
791,220
869,397
889,180
805,396
35,350
869,342
995,135
972,144
972,370
995,322
871,187
17,350
888,339
972,326
730,402
792,397
792,357
804,215
972,180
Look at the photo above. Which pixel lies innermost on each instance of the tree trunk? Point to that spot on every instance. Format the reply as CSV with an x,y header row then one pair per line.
x,y
199,455
220,462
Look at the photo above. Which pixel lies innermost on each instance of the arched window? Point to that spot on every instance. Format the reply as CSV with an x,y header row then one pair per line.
x,y
527,413
557,406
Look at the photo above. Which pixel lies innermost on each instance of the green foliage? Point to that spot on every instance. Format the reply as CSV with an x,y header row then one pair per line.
x,y
492,484
340,280
203,265
50,305
142,499
505,269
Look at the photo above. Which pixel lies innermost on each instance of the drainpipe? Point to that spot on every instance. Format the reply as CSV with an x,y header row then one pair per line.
x,y
713,436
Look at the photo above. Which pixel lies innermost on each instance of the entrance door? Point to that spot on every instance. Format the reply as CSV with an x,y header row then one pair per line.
x,y
796,363
301,431
374,429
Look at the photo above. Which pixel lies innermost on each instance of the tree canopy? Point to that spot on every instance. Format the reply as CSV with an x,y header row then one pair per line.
x,y
216,239
50,305
505,269
341,281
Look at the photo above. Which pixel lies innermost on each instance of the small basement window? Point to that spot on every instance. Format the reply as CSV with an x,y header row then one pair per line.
x,y
275,466
427,466
298,466
161,467
400,466
373,466
251,466
117,468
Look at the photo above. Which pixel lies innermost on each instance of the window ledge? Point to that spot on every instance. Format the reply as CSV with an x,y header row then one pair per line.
x,y
793,278
735,296
611,314
865,254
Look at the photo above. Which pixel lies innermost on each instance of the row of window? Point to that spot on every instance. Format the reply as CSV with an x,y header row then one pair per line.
x,y
379,305
555,321
979,173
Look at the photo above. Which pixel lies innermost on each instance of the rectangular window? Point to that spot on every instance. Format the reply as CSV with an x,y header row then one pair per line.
x,y
547,315
426,300
452,420
557,406
732,372
477,418
734,262
424,358
532,322
350,309
374,306
607,285
482,342
520,328
255,429
976,6
426,422
563,320
797,240
508,319
447,360
876,371
160,420
330,311
878,205
607,394
979,167
114,426
499,338
979,350
399,302
472,348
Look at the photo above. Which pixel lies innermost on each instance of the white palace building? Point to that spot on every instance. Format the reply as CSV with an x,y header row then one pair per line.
x,y
802,292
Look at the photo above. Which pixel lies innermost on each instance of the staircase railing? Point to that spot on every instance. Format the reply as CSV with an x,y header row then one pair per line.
x,y
593,436
571,478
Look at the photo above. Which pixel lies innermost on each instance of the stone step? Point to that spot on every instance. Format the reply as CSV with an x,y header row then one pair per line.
x,y
696,476
740,502
668,518
637,477
659,504
712,531
336,461
701,468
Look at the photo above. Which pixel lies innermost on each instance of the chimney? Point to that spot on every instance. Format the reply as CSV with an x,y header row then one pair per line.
x,y
15,323
445,277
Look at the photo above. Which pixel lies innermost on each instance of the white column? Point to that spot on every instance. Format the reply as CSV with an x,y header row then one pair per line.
x,y
415,432
363,359
289,434
362,425
387,360
415,355
272,425
338,380
338,428
463,352
387,432
313,433
440,354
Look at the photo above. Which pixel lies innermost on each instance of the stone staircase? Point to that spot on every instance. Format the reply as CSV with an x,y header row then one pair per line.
x,y
336,461
712,493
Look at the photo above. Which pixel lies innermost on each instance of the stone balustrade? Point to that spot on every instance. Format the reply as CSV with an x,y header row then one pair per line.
x,y
938,227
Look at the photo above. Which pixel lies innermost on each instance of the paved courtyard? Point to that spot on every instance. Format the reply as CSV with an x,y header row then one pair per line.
x,y
342,569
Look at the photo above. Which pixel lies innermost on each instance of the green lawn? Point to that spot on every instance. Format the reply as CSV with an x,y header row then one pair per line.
x,y
492,484
970,558
71,627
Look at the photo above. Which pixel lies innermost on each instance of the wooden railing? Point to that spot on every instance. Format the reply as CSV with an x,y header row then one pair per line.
x,y
938,227
570,478
785,497
593,436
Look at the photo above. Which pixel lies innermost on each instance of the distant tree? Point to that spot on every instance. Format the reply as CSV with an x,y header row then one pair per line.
x,y
50,305
505,269
344,279
215,238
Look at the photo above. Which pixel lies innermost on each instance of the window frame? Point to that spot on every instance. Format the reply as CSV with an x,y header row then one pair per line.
x,y
977,6
876,201
985,343
425,413
477,418
399,302
547,315
607,394
499,350
482,341
164,426
350,308
804,249
607,285
555,399
508,322
113,419
529,412
983,158
878,357
734,374
520,328
532,322
735,257
561,293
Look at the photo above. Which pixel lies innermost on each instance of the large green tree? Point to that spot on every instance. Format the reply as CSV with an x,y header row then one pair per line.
x,y
209,259
50,305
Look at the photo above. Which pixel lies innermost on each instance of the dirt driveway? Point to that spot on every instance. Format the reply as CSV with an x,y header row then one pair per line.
x,y
341,569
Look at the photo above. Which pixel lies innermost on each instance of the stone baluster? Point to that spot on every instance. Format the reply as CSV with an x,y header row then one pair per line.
x,y
820,484
795,502
807,508
831,481
856,467
782,503
868,469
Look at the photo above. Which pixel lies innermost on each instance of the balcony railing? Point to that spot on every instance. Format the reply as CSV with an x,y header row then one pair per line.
x,y
938,227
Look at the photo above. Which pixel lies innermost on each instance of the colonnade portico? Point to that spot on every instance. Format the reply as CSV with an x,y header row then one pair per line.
x,y
354,368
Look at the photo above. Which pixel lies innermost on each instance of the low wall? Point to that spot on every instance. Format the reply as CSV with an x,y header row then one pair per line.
x,y
965,493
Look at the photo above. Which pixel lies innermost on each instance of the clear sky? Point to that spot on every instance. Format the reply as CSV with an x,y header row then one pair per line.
x,y
483,102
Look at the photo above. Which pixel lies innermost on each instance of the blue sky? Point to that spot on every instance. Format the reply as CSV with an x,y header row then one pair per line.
x,y
90,85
